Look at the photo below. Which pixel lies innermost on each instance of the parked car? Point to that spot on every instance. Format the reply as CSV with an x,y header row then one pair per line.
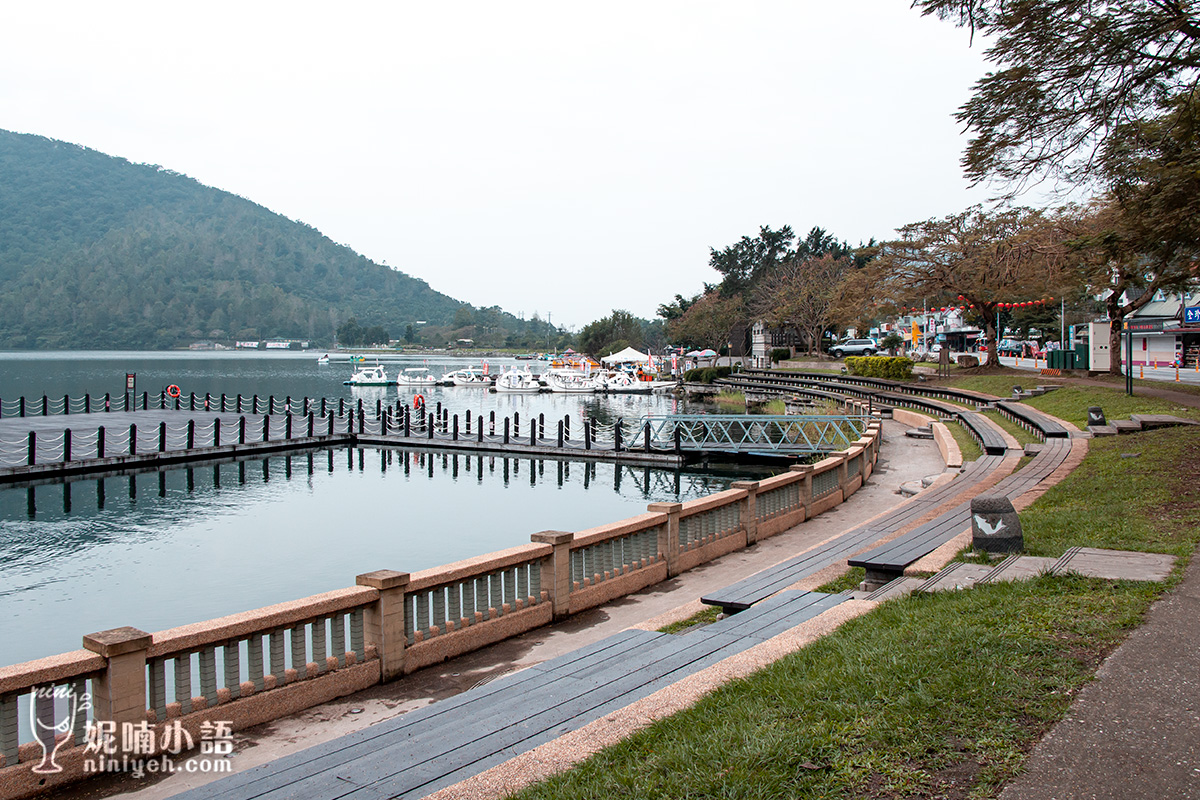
x,y
854,347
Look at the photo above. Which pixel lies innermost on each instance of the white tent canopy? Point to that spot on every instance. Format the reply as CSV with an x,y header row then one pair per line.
x,y
626,356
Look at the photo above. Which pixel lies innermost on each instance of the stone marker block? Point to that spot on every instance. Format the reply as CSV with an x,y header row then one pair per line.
x,y
995,526
1096,416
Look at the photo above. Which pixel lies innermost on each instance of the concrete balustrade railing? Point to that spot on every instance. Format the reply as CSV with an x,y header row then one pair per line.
x,y
267,663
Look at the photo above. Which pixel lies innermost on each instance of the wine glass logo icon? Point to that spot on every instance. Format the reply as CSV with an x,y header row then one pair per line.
x,y
51,731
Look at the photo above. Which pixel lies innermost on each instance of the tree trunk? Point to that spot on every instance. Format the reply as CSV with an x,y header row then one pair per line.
x,y
1116,316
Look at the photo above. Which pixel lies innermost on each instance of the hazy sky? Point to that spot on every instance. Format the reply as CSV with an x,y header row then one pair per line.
x,y
551,157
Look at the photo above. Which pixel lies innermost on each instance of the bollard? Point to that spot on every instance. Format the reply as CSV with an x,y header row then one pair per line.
x,y
429,430
516,422
560,433
533,433
191,401
479,428
468,414
995,526
323,409
587,438
311,424
267,428
646,447
66,404
617,436
567,427
191,434
239,402
241,430
21,406
87,402
100,442
454,435
541,426
287,426
341,406
222,402
66,445
350,423
254,408
133,440
162,437
207,402
362,419
32,459
45,406
331,430
407,423
217,432
506,420
677,440
177,399
491,417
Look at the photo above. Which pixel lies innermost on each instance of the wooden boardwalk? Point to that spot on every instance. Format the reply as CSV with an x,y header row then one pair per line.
x,y
443,743
40,447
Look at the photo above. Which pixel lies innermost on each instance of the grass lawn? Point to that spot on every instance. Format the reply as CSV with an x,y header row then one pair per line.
x,y
1071,402
937,695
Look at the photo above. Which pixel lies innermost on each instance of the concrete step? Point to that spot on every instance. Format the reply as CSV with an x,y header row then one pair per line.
x,y
1126,426
898,588
958,575
1115,564
1102,430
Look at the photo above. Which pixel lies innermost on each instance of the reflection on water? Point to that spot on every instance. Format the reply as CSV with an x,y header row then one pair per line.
x,y
160,549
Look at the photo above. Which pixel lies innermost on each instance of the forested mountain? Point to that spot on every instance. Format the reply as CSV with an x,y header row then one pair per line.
x,y
98,252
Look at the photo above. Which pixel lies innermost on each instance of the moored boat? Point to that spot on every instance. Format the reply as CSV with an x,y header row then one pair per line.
x,y
518,380
621,382
415,376
468,376
569,382
373,375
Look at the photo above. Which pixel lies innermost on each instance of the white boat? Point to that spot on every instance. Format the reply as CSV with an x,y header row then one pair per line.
x,y
373,375
621,382
323,359
518,380
572,382
468,376
415,376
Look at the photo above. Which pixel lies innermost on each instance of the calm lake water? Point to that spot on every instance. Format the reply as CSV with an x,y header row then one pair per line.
x,y
160,549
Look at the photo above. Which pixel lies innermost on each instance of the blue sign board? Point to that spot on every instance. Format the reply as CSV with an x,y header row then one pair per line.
x,y
1191,315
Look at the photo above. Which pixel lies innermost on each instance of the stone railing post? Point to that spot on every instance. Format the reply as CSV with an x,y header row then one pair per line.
x,y
556,570
119,694
749,509
668,541
383,623
843,469
806,485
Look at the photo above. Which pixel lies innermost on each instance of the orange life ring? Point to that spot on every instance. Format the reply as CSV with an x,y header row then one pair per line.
x,y
418,401
172,391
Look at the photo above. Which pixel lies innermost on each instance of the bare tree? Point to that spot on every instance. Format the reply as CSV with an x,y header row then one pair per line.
x,y
802,293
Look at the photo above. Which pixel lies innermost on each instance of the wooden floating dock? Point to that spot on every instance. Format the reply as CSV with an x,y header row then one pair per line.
x,y
170,438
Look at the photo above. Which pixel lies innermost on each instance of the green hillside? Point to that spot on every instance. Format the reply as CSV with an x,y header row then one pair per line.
x,y
97,252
